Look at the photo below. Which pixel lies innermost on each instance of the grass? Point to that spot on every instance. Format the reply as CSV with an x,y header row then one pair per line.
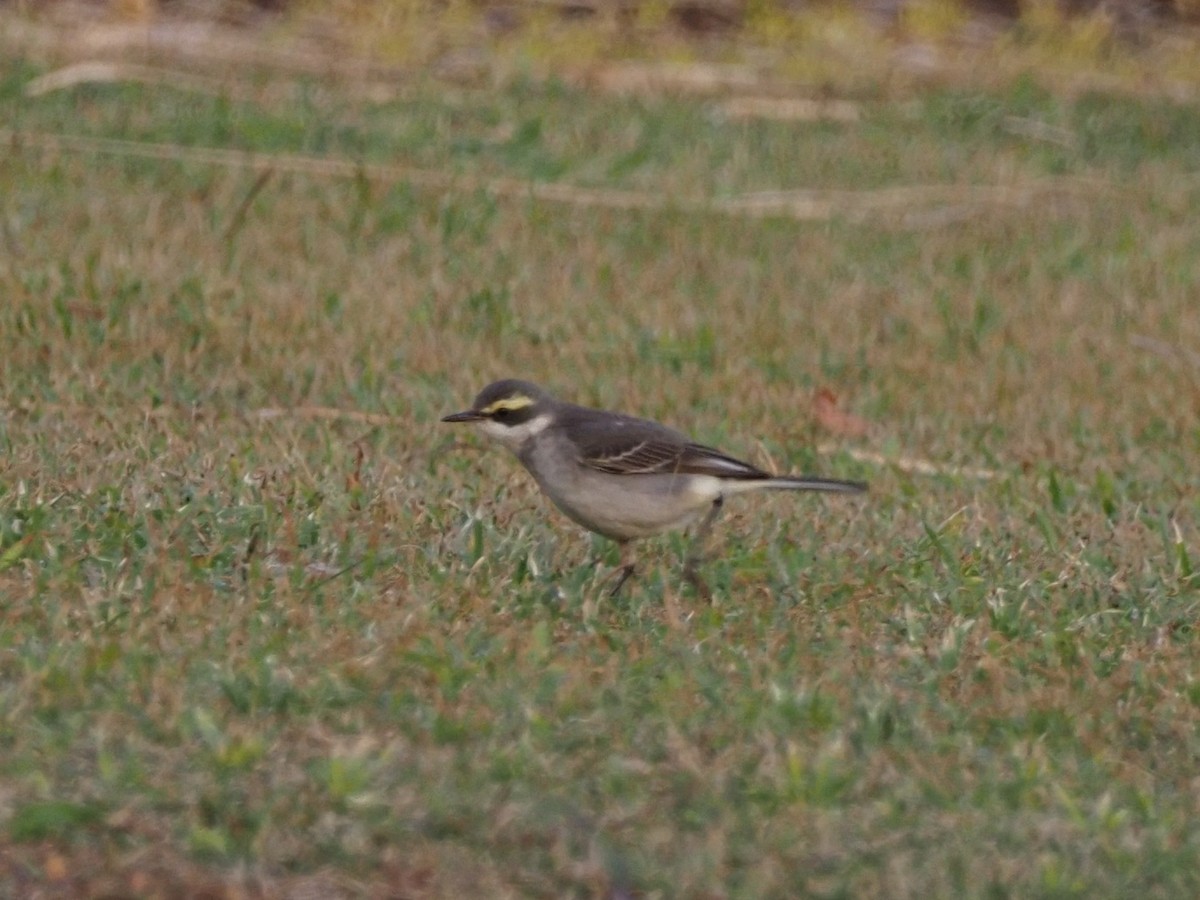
x,y
251,644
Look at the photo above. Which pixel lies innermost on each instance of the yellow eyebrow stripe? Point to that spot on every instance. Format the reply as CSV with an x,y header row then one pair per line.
x,y
509,403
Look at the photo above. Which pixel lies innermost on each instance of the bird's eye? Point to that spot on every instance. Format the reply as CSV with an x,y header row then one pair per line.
x,y
501,414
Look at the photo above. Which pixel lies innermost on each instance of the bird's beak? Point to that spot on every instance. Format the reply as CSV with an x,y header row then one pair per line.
x,y
467,415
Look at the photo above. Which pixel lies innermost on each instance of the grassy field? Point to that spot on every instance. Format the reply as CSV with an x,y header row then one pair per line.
x,y
268,628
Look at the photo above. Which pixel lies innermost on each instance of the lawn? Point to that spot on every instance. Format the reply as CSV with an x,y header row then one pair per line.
x,y
267,626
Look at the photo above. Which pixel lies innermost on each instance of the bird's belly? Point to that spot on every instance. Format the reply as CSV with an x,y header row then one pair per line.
x,y
634,506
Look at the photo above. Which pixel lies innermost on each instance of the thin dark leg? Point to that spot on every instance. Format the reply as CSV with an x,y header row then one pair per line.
x,y
626,569
695,556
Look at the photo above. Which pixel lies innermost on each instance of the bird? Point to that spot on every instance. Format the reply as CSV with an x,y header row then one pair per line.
x,y
621,476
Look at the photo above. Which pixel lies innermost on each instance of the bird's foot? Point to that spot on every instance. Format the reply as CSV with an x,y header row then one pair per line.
x,y
624,571
622,574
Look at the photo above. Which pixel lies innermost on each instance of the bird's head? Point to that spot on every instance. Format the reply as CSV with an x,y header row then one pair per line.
x,y
509,411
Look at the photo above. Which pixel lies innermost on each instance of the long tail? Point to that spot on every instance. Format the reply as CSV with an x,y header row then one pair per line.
x,y
802,483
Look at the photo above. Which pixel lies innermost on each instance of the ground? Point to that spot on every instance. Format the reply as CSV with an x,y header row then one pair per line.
x,y
267,628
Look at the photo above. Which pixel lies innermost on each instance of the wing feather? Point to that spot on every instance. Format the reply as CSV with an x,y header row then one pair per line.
x,y
625,445
663,457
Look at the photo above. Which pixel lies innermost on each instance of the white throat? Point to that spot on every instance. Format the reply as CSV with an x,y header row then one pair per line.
x,y
514,437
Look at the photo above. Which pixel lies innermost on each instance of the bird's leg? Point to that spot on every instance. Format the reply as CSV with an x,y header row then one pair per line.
x,y
625,570
695,555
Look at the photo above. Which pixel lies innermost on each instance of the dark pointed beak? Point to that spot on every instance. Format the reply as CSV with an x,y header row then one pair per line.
x,y
467,415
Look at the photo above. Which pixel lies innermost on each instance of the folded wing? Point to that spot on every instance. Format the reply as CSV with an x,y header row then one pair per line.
x,y
658,456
